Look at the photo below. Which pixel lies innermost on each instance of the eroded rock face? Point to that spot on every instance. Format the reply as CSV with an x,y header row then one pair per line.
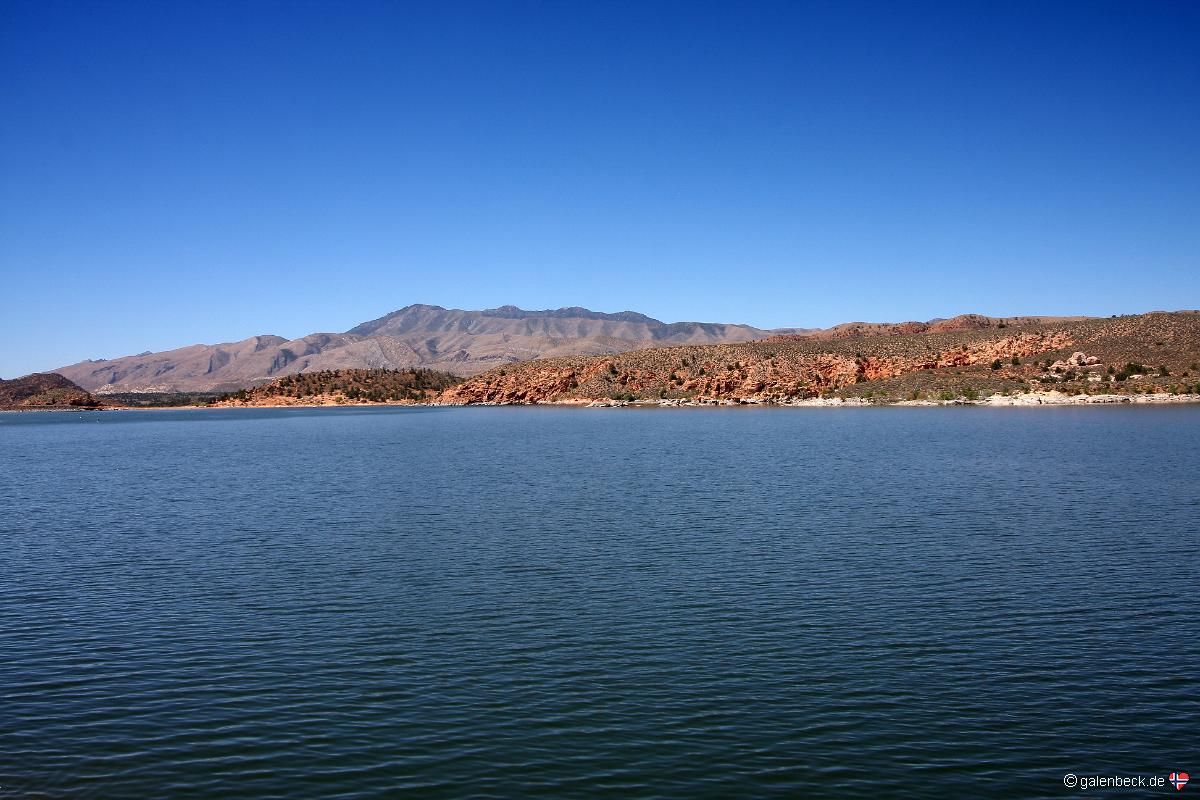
x,y
789,369
524,385
774,372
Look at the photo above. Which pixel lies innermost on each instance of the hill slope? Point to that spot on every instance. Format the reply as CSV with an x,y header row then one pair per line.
x,y
338,387
1117,354
43,390
450,340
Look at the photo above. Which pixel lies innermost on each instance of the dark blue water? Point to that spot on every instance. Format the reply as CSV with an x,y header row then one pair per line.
x,y
497,602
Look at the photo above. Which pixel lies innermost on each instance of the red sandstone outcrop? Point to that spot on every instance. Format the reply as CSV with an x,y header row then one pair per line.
x,y
787,368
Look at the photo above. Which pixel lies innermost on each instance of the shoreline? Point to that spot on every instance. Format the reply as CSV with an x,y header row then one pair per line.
x,y
1024,400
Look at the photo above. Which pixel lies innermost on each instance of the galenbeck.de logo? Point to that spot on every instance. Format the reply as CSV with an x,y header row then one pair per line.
x,y
1179,779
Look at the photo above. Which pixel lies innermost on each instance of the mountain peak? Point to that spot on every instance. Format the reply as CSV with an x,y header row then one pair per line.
x,y
569,312
419,335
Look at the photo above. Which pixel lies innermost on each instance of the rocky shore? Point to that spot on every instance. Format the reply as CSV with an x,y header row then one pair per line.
x,y
1024,399
1126,357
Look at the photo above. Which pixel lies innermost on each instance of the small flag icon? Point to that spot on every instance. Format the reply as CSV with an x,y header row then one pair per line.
x,y
1179,780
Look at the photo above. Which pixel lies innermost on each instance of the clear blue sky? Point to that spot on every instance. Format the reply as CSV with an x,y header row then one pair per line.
x,y
179,172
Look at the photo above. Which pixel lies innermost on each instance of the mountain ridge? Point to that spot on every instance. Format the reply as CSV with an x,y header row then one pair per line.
x,y
458,341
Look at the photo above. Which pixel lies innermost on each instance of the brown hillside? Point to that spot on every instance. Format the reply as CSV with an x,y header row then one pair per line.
x,y
43,390
346,386
894,365
963,322
444,339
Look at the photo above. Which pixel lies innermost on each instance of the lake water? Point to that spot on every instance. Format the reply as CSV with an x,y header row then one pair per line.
x,y
513,602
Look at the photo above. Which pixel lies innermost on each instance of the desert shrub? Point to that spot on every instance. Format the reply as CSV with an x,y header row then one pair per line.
x,y
946,396
1163,371
971,393
997,364
1016,362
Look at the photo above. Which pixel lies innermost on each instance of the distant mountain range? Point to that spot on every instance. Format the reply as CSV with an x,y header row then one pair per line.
x,y
452,340
463,343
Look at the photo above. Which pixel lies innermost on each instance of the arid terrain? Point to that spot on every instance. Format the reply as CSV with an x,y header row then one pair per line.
x,y
970,358
43,390
432,337
341,387
1157,352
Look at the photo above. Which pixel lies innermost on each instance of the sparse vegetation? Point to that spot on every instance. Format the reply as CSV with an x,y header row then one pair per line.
x,y
354,385
918,365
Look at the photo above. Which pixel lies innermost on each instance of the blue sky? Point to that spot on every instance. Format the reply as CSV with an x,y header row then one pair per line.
x,y
198,172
